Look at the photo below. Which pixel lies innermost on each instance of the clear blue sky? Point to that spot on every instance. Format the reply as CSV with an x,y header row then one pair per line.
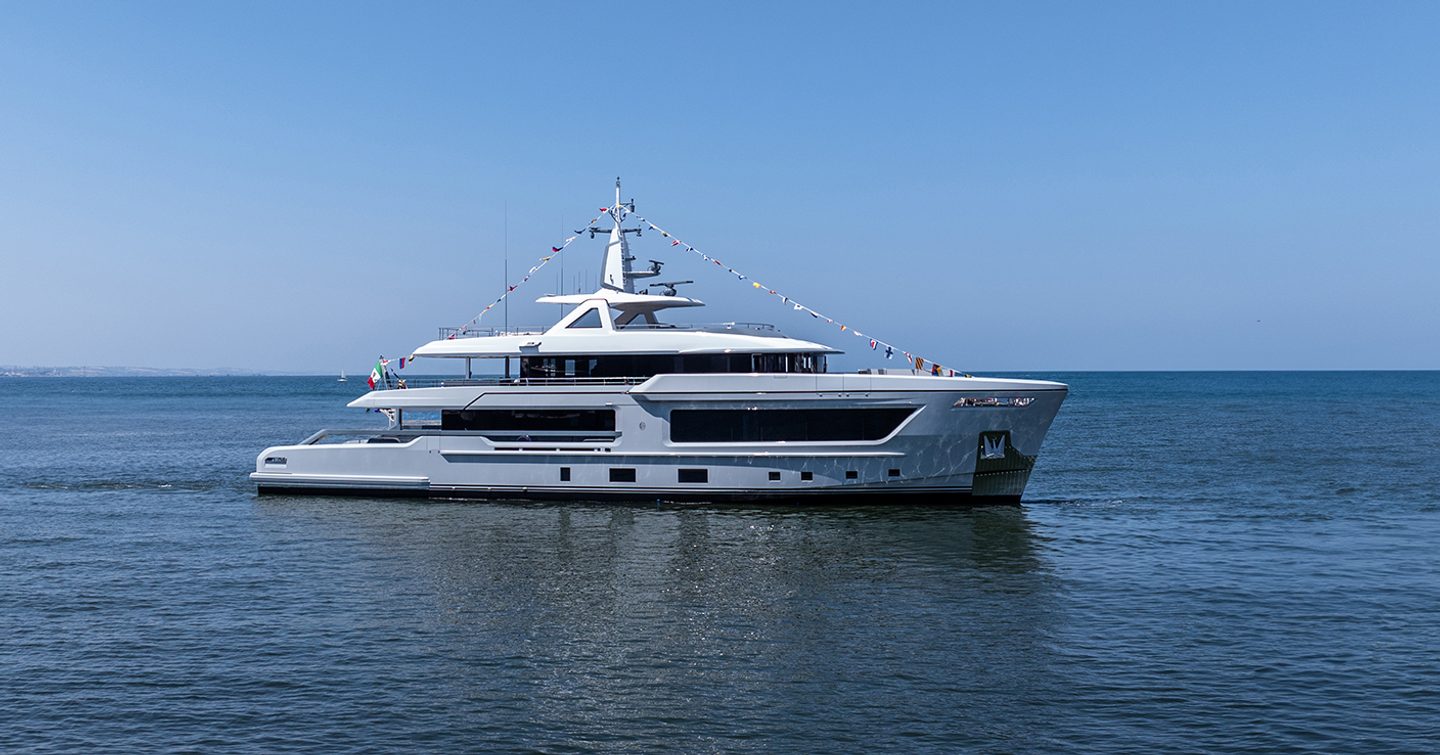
x,y
1000,186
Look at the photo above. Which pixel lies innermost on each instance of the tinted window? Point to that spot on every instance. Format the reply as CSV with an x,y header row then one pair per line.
x,y
693,475
528,419
590,319
619,474
646,365
769,425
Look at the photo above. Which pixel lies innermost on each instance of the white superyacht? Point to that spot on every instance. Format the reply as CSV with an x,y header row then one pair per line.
x,y
612,403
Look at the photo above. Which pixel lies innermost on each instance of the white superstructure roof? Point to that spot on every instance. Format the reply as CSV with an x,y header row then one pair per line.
x,y
624,300
596,327
592,341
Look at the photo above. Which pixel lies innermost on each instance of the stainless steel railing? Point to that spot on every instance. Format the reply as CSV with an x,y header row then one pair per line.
x,y
535,330
408,433
522,382
524,330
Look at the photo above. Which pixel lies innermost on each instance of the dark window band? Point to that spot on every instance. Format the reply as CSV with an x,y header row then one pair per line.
x,y
773,425
519,420
646,365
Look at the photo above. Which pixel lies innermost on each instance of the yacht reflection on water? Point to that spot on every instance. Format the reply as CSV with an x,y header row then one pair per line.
x,y
580,615
579,563
986,538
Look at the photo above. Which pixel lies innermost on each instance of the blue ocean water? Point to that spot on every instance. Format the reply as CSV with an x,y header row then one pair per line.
x,y
1204,561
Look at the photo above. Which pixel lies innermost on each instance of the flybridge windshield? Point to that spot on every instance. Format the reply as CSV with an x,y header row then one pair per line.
x,y
647,365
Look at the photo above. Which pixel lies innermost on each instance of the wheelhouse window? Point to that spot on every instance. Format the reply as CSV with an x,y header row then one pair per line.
x,y
528,420
774,425
809,363
590,319
648,365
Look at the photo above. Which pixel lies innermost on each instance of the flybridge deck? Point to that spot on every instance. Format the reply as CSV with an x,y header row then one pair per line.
x,y
757,328
611,403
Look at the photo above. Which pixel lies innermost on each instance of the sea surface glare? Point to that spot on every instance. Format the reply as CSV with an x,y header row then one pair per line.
x,y
1205,561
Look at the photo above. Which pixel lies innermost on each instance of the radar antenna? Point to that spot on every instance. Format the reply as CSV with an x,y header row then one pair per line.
x,y
669,287
654,270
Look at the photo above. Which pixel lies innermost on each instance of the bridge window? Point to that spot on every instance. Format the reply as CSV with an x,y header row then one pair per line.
x,y
809,363
775,425
647,365
529,420
590,319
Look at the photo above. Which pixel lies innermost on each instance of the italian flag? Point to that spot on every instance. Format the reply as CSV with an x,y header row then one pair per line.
x,y
377,373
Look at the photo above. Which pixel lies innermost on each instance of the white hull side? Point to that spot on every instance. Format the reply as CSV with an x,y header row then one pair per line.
x,y
936,452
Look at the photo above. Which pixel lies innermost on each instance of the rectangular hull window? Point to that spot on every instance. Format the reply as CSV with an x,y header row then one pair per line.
x,y
621,474
694,475
773,425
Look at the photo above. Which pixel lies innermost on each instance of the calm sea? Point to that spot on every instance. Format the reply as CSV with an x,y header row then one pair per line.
x,y
1205,561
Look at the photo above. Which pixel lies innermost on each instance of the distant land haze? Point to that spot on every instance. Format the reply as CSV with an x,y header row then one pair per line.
x,y
22,372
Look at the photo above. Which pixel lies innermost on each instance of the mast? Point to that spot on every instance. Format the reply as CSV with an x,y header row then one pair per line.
x,y
615,272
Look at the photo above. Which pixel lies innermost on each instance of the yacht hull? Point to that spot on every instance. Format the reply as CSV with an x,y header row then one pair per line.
x,y
965,440
820,498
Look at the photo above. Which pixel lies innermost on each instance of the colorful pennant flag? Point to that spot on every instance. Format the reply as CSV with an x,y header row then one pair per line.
x,y
875,343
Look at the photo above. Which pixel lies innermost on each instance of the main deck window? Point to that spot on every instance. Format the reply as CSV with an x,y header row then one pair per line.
x,y
529,420
772,425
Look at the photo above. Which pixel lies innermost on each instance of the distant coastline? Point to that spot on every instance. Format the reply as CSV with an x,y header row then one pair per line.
x,y
11,371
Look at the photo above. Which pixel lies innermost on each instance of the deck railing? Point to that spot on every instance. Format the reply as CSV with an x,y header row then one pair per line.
x,y
447,334
462,382
472,332
500,438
